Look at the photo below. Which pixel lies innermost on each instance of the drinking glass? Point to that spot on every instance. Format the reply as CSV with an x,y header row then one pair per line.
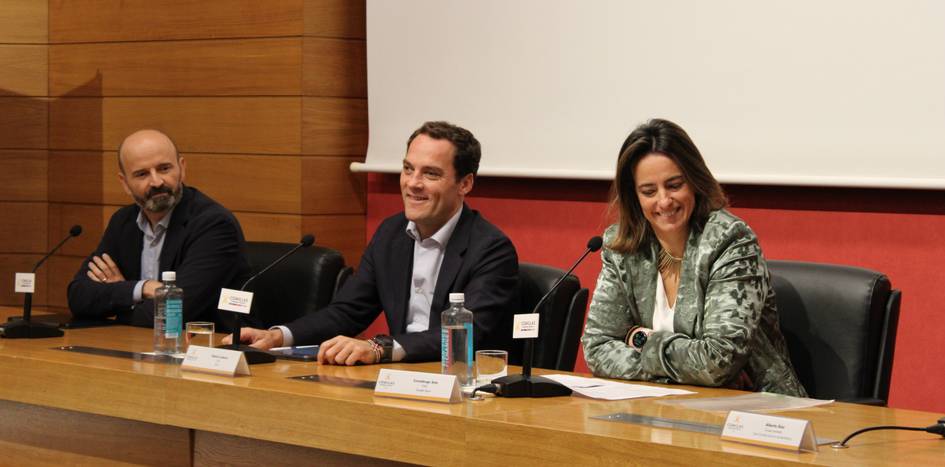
x,y
199,333
491,364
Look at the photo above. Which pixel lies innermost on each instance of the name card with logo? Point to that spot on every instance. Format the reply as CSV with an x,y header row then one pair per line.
x,y
25,282
239,301
216,361
525,326
418,385
769,431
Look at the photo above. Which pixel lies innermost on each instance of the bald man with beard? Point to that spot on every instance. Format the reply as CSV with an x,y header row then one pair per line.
x,y
170,227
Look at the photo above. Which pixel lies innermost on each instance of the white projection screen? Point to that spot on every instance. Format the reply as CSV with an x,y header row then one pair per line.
x,y
800,92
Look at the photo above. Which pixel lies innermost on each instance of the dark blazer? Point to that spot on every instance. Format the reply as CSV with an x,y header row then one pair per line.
x,y
479,261
204,245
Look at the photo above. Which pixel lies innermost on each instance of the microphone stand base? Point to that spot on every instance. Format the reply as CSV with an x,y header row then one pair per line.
x,y
253,355
17,329
529,386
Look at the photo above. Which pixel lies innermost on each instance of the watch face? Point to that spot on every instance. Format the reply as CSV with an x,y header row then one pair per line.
x,y
638,339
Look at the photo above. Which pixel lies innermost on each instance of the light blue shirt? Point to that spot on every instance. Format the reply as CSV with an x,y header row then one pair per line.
x,y
150,250
428,256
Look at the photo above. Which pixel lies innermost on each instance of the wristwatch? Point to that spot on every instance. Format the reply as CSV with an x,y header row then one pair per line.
x,y
637,337
386,343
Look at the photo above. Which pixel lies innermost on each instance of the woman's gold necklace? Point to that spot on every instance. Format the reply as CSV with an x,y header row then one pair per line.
x,y
668,262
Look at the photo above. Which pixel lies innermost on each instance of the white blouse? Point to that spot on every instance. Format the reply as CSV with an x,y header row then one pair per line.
x,y
662,312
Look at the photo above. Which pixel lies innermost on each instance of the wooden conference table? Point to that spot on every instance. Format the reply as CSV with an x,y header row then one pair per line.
x,y
59,407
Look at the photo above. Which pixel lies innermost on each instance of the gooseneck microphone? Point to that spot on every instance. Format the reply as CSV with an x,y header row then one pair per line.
x,y
25,328
254,355
75,231
305,242
526,385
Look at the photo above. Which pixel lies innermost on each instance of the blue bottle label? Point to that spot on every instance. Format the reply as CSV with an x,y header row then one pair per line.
x,y
444,350
173,314
469,346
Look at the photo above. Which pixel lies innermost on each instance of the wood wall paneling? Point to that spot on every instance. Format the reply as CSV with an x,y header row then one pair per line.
x,y
113,193
61,270
77,176
179,68
243,87
23,229
334,126
23,175
23,123
237,125
93,218
12,263
335,18
269,184
263,227
344,233
63,216
61,267
23,22
239,182
334,67
23,128
142,20
23,70
329,186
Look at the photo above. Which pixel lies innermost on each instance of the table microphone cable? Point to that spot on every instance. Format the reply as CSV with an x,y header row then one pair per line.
x,y
938,429
490,388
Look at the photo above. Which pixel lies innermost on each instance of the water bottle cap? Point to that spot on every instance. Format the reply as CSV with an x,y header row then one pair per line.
x,y
168,276
457,297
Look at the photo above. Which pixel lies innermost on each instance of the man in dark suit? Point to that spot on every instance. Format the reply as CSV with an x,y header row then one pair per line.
x,y
415,259
171,227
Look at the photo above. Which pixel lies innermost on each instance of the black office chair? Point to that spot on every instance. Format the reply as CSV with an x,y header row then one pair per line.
x,y
562,316
840,325
304,282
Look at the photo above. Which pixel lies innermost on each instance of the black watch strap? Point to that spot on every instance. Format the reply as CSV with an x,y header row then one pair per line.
x,y
387,346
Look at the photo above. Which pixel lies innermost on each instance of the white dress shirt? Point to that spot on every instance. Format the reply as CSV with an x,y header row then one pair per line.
x,y
150,251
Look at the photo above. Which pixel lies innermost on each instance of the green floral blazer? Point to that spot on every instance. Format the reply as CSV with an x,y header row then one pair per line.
x,y
725,320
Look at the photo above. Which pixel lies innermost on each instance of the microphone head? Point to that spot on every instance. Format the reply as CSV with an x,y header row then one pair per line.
x,y
595,243
307,240
76,230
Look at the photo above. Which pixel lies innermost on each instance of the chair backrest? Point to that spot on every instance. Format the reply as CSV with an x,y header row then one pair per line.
x,y
840,326
303,283
562,316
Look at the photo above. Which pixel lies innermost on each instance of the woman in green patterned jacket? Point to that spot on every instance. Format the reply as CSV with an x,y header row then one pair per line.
x,y
684,293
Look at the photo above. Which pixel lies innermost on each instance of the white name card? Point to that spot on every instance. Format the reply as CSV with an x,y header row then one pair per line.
x,y
525,326
769,431
25,282
418,385
215,361
239,301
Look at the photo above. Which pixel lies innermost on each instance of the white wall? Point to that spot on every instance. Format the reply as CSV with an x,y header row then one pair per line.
x,y
802,92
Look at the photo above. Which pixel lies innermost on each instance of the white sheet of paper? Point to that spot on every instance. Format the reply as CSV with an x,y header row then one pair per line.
x,y
613,390
238,301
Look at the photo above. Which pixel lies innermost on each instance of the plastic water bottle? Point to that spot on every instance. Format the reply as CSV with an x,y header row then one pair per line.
x,y
456,341
168,315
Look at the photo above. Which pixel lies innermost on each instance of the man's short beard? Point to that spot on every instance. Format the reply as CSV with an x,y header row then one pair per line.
x,y
163,203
